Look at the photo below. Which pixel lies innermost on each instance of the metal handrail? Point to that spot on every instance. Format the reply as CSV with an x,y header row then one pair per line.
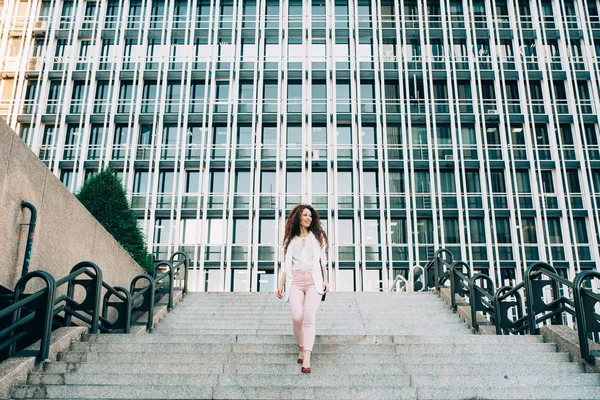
x,y
460,287
396,282
45,314
587,319
160,280
181,260
412,282
142,299
90,310
29,245
90,305
122,306
482,297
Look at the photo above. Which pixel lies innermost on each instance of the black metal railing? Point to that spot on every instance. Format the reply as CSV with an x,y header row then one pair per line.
x,y
180,261
88,276
117,299
585,305
34,316
30,233
163,281
142,300
542,298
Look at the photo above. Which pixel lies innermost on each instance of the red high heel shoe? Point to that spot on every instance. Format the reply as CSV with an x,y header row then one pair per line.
x,y
300,361
305,370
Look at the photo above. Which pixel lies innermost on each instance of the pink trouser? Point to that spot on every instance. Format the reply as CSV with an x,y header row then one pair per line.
x,y
304,293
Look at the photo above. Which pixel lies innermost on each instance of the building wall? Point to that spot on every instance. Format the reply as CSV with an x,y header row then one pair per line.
x,y
410,126
66,233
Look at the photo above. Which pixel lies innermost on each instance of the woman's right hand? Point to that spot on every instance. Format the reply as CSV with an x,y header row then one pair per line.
x,y
280,292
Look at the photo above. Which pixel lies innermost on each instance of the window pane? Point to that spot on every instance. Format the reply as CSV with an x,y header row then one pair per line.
x,y
293,182
346,231
241,231
267,231
554,230
345,182
502,230
451,234
371,230
319,181
529,231
399,233
477,230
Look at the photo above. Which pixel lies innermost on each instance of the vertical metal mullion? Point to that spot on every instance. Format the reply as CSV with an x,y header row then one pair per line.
x,y
592,66
64,100
475,97
578,128
405,126
489,214
356,142
531,149
510,170
567,219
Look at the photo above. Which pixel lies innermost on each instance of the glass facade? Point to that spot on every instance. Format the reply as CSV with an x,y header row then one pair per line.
x,y
409,124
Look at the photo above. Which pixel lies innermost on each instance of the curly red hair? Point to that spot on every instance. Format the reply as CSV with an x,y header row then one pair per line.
x,y
292,226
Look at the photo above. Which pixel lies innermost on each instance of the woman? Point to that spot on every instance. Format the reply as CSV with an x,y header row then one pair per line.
x,y
304,275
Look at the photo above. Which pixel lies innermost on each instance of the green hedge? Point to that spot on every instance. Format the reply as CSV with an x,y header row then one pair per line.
x,y
103,195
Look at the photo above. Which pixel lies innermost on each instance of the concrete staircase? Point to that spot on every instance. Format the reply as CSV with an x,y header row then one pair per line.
x,y
368,346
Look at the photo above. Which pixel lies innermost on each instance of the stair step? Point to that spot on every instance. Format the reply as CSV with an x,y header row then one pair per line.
x,y
167,367
509,379
510,393
316,392
321,379
458,358
520,367
466,339
226,348
202,392
281,358
290,348
226,379
477,348
158,338
517,367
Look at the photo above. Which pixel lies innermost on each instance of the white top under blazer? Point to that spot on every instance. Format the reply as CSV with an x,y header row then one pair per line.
x,y
315,264
302,257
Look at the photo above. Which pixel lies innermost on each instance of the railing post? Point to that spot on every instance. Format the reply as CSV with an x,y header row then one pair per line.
x,y
476,299
170,274
48,315
171,282
147,298
453,289
580,314
91,303
436,273
127,317
123,320
530,296
438,263
30,234
501,310
454,285
498,319
150,323
186,263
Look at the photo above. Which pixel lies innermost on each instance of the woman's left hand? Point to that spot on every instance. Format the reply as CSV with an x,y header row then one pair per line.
x,y
325,287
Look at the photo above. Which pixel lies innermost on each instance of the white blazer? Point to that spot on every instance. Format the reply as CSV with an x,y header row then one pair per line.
x,y
317,273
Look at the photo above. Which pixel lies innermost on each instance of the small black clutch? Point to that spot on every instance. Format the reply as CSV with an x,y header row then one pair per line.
x,y
323,297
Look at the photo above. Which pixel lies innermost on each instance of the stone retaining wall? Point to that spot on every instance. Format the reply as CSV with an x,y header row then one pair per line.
x,y
66,232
